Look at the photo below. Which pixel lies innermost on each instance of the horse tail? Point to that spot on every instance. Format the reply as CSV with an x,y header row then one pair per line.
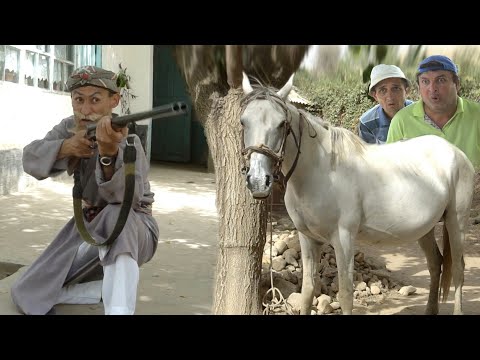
x,y
446,278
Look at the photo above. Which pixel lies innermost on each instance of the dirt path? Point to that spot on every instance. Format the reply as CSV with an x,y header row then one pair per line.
x,y
179,279
409,266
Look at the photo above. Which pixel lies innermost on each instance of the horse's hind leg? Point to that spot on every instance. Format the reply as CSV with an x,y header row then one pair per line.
x,y
456,220
455,240
310,259
342,241
434,263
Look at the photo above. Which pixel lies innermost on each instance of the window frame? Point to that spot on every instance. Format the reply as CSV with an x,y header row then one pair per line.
x,y
93,56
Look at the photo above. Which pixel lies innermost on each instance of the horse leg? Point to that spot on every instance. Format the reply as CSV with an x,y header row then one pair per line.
x,y
454,238
434,264
310,259
342,242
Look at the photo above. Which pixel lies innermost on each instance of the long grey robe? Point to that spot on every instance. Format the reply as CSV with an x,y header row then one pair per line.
x,y
37,290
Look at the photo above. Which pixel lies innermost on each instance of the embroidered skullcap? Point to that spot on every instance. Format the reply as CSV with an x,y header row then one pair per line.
x,y
94,76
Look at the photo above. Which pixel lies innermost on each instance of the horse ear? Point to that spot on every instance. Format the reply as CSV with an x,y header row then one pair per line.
x,y
247,88
285,90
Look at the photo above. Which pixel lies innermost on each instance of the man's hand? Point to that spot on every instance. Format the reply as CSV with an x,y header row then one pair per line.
x,y
108,137
77,146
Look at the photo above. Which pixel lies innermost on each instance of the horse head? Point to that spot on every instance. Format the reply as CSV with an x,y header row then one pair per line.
x,y
266,124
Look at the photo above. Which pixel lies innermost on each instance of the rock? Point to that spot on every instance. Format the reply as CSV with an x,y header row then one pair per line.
x,y
335,305
293,242
375,290
295,301
291,256
289,276
281,246
381,273
323,306
407,290
278,263
371,278
361,286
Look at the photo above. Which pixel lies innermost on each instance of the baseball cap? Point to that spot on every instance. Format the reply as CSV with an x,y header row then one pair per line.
x,y
437,62
94,76
382,72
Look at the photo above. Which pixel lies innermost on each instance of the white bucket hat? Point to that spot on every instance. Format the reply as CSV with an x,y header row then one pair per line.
x,y
382,72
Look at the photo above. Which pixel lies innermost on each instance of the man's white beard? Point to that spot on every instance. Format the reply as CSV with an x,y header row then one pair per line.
x,y
79,116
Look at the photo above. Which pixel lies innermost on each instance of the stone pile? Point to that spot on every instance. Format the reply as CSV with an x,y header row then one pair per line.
x,y
282,264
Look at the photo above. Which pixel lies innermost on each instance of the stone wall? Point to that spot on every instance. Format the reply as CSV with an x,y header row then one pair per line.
x,y
12,176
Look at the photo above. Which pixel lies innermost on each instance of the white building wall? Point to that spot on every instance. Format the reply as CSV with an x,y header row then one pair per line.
x,y
138,60
28,113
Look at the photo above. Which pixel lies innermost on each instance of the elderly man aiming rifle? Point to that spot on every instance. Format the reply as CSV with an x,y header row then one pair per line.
x,y
60,273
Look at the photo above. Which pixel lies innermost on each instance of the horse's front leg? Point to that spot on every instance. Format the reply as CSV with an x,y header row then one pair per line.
x,y
434,264
310,259
343,243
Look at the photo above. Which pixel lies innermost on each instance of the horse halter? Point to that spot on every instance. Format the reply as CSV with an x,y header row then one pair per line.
x,y
277,157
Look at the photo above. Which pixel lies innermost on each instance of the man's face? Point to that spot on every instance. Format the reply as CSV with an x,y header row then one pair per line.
x,y
438,90
90,103
391,94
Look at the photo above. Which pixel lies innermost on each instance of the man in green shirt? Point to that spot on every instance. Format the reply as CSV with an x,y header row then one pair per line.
x,y
440,111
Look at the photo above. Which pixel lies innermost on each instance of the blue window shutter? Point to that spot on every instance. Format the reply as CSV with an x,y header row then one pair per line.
x,y
98,55
86,55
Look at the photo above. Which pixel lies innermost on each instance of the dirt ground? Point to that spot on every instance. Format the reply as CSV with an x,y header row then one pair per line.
x,y
180,277
408,265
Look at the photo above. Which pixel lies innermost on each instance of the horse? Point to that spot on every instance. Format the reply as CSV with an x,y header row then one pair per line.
x,y
340,189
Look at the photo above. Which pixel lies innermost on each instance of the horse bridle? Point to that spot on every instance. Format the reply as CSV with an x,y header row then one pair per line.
x,y
277,157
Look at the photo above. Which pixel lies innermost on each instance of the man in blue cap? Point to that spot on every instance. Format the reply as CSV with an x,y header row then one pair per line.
x,y
440,111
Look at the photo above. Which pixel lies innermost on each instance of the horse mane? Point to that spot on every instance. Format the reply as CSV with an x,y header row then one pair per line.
x,y
343,140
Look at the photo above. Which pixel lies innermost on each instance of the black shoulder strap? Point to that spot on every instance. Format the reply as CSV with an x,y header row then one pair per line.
x,y
129,157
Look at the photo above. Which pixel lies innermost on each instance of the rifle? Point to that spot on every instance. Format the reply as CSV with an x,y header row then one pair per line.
x,y
163,111
168,110
129,156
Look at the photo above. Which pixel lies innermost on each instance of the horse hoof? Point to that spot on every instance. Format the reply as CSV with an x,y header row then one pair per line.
x,y
431,311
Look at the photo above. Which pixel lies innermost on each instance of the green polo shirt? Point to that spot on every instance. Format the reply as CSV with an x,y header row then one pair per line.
x,y
463,129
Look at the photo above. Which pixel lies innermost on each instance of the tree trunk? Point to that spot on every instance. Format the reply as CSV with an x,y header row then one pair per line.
x,y
242,227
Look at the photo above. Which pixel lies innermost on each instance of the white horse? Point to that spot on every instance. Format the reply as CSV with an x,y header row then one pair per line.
x,y
339,189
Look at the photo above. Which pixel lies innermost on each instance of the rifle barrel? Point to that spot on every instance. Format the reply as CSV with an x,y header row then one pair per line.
x,y
172,109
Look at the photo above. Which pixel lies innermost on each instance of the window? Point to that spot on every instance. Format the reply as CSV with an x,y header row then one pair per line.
x,y
63,66
11,63
45,66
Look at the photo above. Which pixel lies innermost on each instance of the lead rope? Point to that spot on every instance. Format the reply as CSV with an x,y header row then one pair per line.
x,y
277,303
